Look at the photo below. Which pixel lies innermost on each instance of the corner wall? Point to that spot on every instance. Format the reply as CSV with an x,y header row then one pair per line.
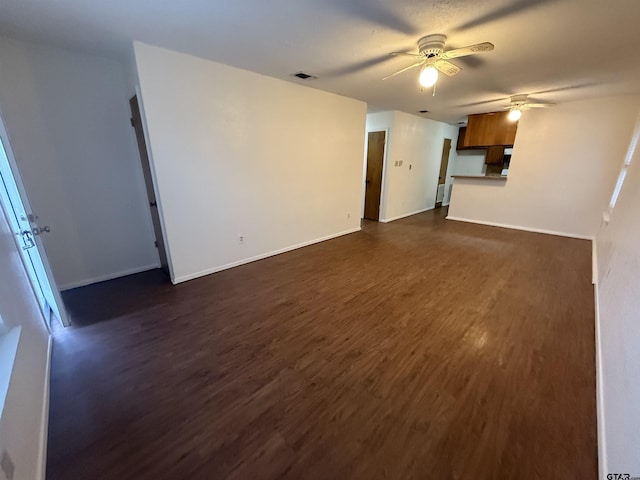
x,y
67,117
564,164
618,303
238,154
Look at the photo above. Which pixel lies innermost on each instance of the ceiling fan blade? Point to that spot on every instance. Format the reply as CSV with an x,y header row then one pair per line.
x,y
511,9
357,67
374,13
536,105
482,102
447,68
406,54
470,50
417,64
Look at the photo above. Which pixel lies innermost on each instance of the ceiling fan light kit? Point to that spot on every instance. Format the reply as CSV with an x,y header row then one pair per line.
x,y
428,76
433,59
515,114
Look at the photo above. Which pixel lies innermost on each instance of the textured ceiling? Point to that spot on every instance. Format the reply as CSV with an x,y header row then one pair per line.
x,y
555,50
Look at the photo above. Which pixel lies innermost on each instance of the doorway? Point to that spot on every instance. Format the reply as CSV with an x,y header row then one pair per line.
x,y
373,180
442,176
28,230
136,122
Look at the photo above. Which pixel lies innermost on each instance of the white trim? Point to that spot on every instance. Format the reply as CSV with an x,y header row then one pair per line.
x,y
110,276
384,189
244,261
405,215
602,442
594,262
526,229
44,420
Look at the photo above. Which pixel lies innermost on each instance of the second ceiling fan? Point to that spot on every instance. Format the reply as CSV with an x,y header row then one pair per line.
x,y
522,102
432,58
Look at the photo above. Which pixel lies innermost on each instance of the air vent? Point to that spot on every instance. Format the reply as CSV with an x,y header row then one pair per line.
x,y
424,111
303,76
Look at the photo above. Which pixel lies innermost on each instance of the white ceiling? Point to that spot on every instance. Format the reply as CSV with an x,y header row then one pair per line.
x,y
555,50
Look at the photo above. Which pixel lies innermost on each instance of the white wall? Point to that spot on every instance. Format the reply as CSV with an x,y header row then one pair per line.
x,y
470,162
563,167
24,417
67,116
618,291
238,153
417,142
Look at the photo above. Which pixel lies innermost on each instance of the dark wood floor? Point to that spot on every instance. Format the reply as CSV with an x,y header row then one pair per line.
x,y
423,349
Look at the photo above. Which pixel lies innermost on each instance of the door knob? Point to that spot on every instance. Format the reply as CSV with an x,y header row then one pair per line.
x,y
39,230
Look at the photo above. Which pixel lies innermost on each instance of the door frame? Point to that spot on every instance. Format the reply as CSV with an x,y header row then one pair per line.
x,y
137,123
444,191
154,180
39,245
383,187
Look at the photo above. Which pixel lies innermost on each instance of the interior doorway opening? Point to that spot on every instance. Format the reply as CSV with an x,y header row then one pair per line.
x,y
441,192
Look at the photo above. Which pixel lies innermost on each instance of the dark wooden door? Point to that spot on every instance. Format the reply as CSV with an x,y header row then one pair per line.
x,y
373,188
442,176
136,122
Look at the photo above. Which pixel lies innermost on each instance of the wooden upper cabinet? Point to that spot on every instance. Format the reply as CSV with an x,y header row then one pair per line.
x,y
462,132
489,129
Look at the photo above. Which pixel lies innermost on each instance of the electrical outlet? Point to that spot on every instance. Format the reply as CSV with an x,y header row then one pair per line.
x,y
241,239
348,215
6,465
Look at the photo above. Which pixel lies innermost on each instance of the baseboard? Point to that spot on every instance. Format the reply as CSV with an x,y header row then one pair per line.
x,y
44,421
110,276
405,215
525,229
262,256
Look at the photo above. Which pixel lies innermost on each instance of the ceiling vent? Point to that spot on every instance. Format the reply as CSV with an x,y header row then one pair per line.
x,y
303,76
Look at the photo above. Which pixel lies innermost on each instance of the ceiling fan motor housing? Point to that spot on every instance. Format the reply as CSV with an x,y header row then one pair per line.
x,y
431,45
518,100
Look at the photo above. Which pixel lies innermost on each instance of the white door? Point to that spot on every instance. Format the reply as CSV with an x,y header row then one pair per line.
x,y
25,224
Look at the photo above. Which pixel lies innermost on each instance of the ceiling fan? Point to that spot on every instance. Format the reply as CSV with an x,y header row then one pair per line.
x,y
520,103
432,58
